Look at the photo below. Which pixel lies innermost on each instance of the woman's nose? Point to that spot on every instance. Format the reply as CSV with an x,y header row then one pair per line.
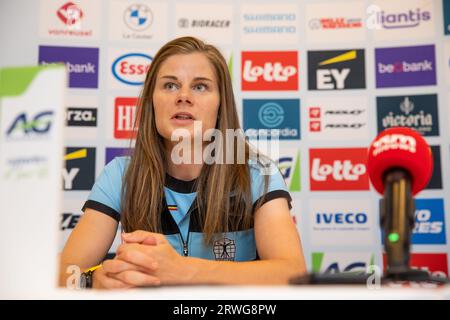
x,y
184,98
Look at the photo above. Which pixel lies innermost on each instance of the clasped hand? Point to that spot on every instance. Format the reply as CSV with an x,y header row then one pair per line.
x,y
143,259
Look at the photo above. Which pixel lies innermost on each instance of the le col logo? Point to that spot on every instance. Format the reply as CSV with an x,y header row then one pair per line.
x,y
131,68
394,142
338,169
277,70
25,125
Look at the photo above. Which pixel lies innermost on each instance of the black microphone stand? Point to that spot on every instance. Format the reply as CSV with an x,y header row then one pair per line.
x,y
397,220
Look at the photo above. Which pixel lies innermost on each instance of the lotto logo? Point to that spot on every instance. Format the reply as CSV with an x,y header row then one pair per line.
x,y
271,71
338,169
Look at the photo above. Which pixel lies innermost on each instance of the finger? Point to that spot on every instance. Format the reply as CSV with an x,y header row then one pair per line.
x,y
107,282
111,283
136,278
119,265
137,258
141,236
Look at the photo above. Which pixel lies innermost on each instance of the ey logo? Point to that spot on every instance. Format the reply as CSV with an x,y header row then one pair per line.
x,y
79,171
336,70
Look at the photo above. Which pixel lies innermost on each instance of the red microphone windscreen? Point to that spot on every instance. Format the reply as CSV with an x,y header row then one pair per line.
x,y
401,148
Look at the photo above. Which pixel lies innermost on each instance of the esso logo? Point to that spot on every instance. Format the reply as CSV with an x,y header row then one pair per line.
x,y
338,169
131,68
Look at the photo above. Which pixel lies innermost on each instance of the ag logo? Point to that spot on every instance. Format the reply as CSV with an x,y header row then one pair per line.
x,y
24,125
79,173
224,249
336,70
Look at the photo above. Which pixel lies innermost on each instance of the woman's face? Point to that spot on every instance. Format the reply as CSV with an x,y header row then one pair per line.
x,y
186,91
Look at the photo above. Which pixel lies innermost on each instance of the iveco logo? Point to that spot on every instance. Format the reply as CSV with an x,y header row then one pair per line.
x,y
131,68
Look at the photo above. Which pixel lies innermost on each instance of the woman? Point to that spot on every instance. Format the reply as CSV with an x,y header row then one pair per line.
x,y
192,222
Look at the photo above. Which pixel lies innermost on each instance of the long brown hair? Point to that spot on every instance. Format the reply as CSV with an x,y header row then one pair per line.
x,y
142,192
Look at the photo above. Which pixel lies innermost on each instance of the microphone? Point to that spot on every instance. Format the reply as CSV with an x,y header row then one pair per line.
x,y
400,165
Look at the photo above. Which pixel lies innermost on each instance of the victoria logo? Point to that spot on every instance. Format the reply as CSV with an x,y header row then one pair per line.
x,y
419,112
138,17
336,70
131,68
70,14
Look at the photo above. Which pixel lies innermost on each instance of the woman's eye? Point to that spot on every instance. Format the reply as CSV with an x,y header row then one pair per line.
x,y
170,86
200,87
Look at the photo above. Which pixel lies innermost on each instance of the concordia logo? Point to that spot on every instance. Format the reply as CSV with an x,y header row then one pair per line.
x,y
271,114
131,68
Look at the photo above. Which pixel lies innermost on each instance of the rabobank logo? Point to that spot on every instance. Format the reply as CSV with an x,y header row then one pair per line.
x,y
429,227
405,66
419,112
131,68
278,118
81,63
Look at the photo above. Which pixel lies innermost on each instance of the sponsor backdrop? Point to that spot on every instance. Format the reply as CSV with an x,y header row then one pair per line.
x,y
328,75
